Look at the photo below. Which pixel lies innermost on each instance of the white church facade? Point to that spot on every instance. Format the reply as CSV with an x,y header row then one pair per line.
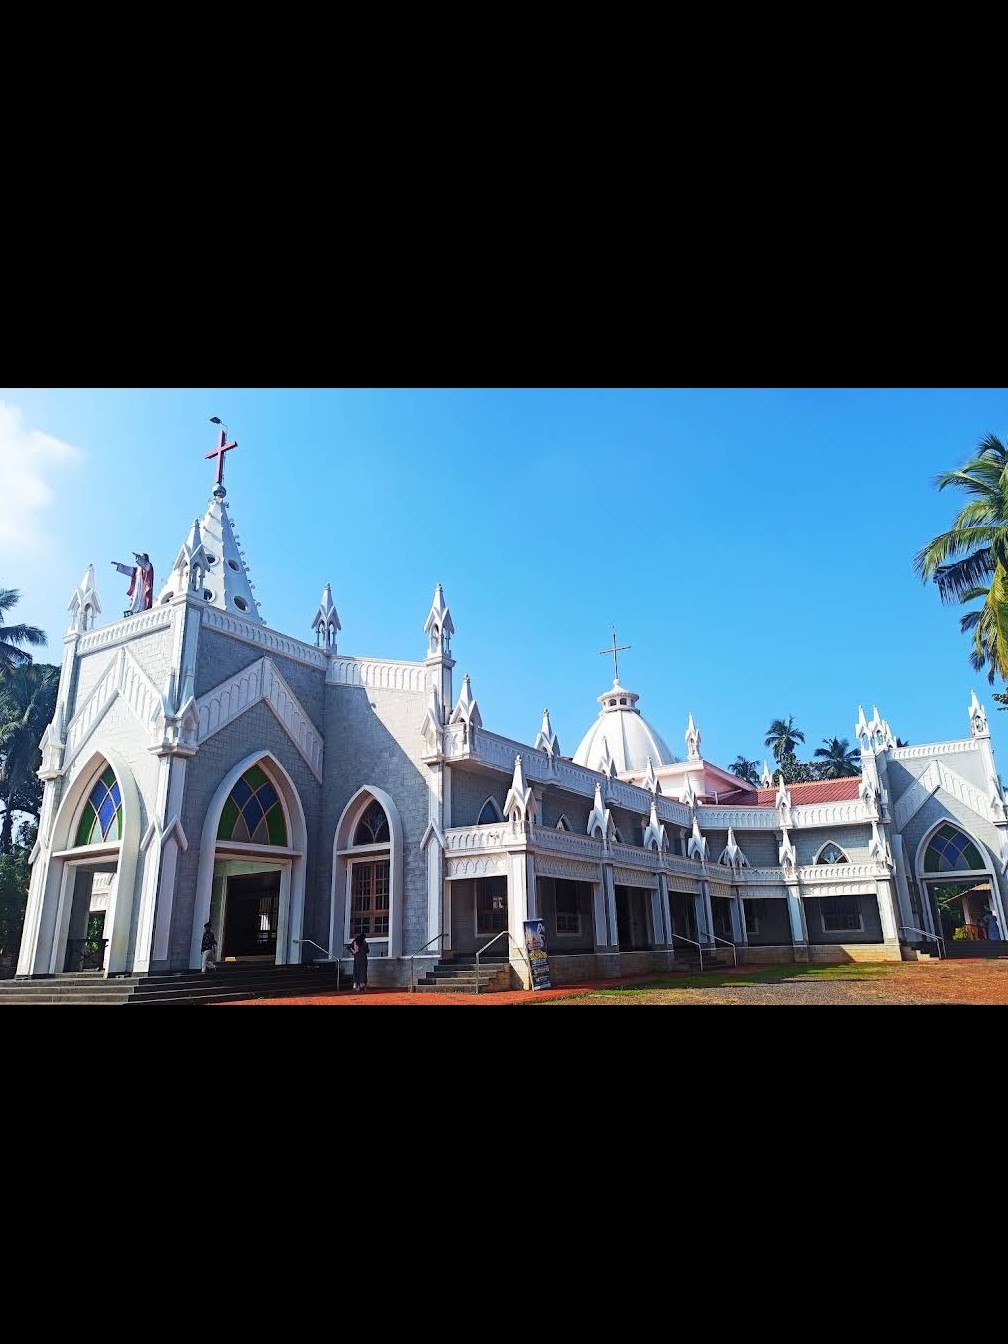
x,y
203,766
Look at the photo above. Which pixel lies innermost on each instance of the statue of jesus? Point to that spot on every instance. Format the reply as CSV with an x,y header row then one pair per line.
x,y
141,588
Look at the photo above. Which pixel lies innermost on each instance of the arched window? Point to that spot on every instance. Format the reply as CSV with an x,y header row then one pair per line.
x,y
563,824
949,851
101,820
253,812
372,829
489,812
369,874
831,853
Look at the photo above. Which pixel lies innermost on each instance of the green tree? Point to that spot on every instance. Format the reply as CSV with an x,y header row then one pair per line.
x,y
782,737
837,759
969,562
745,769
12,637
14,874
27,704
794,770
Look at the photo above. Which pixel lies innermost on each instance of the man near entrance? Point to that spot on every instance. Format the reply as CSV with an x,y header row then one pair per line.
x,y
208,947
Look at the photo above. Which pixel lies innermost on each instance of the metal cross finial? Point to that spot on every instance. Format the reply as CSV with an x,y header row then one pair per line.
x,y
614,650
222,448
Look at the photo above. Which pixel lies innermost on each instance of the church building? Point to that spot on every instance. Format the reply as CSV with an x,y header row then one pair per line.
x,y
203,766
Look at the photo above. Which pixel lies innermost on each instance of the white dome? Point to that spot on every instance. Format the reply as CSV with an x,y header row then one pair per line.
x,y
629,737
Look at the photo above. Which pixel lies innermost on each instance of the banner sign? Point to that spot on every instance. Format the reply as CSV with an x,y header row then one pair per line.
x,y
535,946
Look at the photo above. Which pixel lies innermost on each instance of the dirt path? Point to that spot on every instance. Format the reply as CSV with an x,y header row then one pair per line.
x,y
965,981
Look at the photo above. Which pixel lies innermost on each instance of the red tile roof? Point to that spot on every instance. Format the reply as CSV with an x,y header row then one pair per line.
x,y
822,791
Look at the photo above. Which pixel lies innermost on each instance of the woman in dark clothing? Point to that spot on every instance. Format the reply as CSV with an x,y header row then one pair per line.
x,y
359,948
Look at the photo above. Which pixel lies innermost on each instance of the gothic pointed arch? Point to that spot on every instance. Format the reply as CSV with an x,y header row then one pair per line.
x,y
99,819
947,849
489,812
367,873
831,852
255,817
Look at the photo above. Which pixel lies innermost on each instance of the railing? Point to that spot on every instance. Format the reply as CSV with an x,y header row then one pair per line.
x,y
909,928
413,955
85,954
727,942
329,955
699,946
504,933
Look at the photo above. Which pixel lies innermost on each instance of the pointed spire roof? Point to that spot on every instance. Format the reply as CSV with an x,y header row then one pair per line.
x,y
225,581
467,710
326,623
438,626
84,605
692,739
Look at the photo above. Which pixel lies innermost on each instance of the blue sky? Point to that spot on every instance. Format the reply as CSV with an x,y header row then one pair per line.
x,y
753,546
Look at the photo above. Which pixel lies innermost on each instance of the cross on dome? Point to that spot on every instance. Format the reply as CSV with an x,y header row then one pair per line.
x,y
614,651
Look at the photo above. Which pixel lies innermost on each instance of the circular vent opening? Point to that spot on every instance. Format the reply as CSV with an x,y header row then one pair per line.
x,y
211,559
241,604
233,564
207,594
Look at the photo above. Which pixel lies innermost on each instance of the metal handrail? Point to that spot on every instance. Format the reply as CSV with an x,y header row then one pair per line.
x,y
413,956
693,941
326,951
518,948
910,928
727,942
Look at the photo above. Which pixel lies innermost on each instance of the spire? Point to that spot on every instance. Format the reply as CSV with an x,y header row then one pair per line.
x,y
731,855
438,626
84,605
326,622
654,831
978,718
546,739
467,712
766,779
697,847
692,738
786,856
519,805
210,562
651,782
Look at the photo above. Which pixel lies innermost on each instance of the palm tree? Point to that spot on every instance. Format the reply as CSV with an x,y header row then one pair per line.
x,y
745,769
27,705
13,636
838,760
969,562
782,737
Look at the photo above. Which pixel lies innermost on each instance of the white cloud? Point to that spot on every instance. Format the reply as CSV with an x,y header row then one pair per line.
x,y
29,459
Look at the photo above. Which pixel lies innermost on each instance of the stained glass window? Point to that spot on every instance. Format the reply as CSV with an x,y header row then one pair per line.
x,y
831,854
950,851
372,829
253,811
101,820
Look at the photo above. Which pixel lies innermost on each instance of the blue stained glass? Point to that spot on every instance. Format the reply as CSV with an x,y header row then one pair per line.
x,y
253,814
241,792
106,812
267,796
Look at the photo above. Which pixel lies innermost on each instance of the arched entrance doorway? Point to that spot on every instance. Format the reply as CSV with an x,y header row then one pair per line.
x,y
251,877
959,885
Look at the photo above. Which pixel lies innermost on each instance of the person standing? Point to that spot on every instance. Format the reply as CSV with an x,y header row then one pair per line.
x,y
990,923
208,948
359,949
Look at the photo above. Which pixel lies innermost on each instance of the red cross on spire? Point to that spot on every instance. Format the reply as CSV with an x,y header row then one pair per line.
x,y
222,448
